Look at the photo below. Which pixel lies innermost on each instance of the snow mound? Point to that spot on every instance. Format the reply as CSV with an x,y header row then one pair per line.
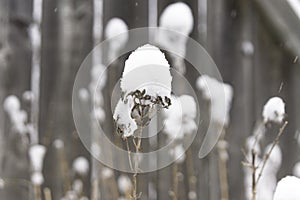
x,y
274,110
81,165
219,94
287,189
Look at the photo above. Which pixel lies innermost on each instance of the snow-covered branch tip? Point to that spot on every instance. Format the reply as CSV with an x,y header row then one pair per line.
x,y
146,88
175,31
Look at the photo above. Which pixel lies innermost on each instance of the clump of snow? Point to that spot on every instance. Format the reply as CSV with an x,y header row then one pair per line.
x,y
36,155
37,178
122,116
124,184
274,110
220,96
247,48
174,32
147,68
117,31
81,165
17,116
58,143
178,153
83,94
182,23
180,117
296,170
28,96
107,173
146,71
267,183
11,104
288,189
98,80
275,158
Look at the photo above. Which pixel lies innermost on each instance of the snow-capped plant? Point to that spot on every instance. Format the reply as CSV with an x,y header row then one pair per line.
x,y
220,96
180,117
287,189
37,178
11,104
178,153
124,184
58,144
296,170
83,95
107,173
98,80
274,110
81,166
175,31
36,154
267,184
117,29
146,86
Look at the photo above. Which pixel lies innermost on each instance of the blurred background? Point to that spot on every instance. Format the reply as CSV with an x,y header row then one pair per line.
x,y
254,43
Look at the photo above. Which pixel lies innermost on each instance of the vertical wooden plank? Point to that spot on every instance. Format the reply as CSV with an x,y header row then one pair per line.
x,y
3,67
16,81
67,39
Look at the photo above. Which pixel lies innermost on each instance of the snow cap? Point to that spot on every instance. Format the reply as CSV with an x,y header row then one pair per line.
x,y
36,155
219,94
177,17
287,189
124,184
274,110
147,68
81,165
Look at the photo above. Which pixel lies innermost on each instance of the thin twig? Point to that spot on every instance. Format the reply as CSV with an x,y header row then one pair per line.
x,y
223,171
253,174
47,194
175,181
275,142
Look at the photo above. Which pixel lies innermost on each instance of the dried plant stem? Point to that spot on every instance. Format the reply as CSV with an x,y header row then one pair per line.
x,y
47,194
64,169
191,173
95,189
37,189
275,142
175,181
223,171
137,145
253,166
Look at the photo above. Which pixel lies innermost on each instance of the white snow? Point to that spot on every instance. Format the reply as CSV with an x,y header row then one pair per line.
x,y
295,4
107,173
36,155
175,29
267,183
180,117
81,165
296,170
147,68
122,116
11,104
177,17
83,94
37,178
124,184
274,110
288,189
58,143
178,153
220,96
117,31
